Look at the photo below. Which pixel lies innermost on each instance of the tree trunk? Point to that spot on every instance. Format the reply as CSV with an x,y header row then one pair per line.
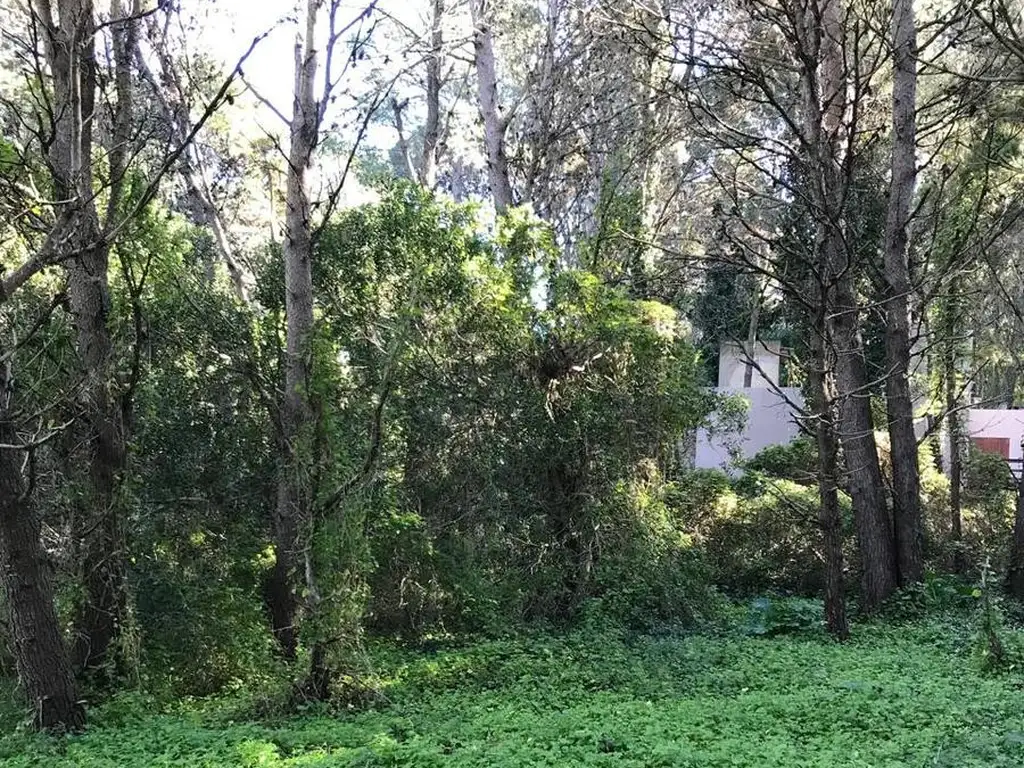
x,y
44,669
71,55
825,99
495,124
830,517
293,514
954,430
98,621
899,404
1015,572
755,314
280,601
432,127
879,577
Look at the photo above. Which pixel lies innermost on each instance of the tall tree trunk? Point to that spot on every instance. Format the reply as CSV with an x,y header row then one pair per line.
x,y
99,617
879,577
432,127
70,52
752,329
899,404
495,124
830,518
293,515
955,433
43,666
825,98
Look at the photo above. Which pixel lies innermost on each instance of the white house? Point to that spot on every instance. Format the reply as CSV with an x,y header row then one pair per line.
x,y
771,414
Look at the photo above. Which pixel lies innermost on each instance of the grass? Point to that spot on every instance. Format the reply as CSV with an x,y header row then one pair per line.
x,y
896,696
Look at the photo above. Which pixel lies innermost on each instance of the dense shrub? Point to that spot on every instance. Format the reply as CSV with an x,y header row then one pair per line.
x,y
987,509
769,541
796,461
650,571
202,626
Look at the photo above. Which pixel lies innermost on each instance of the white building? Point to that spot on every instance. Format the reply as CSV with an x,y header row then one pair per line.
x,y
771,408
772,411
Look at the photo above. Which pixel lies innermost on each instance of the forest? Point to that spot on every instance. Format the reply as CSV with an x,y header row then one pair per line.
x,y
353,355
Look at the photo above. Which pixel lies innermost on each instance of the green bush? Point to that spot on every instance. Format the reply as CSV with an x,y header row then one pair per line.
x,y
781,616
796,461
650,571
988,511
695,496
770,540
202,630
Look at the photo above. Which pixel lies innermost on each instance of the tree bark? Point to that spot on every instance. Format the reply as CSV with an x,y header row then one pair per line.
x,y
432,127
43,666
899,403
830,518
495,124
825,98
71,56
879,577
98,620
954,430
397,107
293,513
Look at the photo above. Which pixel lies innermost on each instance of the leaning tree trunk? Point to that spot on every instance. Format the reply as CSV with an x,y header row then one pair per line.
x,y
899,404
44,669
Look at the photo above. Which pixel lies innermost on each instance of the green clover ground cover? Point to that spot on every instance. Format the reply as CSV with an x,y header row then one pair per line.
x,y
903,696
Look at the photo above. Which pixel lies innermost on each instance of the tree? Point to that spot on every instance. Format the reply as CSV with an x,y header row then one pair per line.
x,y
495,117
899,404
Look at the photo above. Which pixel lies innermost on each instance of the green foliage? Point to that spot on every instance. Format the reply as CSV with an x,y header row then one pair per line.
x,y
200,474
995,649
779,616
527,405
938,594
651,572
987,477
989,503
889,698
796,461
767,537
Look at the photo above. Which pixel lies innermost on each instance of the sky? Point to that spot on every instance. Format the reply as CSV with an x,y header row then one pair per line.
x,y
229,26
226,28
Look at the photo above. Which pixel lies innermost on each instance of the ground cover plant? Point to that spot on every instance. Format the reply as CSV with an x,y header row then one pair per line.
x,y
893,696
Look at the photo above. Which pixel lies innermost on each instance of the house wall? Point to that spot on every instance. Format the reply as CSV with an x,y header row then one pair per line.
x,y
732,365
996,423
770,421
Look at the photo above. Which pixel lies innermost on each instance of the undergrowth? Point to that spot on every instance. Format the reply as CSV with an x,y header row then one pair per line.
x,y
893,696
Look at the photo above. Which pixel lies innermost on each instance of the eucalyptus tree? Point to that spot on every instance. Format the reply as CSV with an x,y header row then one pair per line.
x,y
83,147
